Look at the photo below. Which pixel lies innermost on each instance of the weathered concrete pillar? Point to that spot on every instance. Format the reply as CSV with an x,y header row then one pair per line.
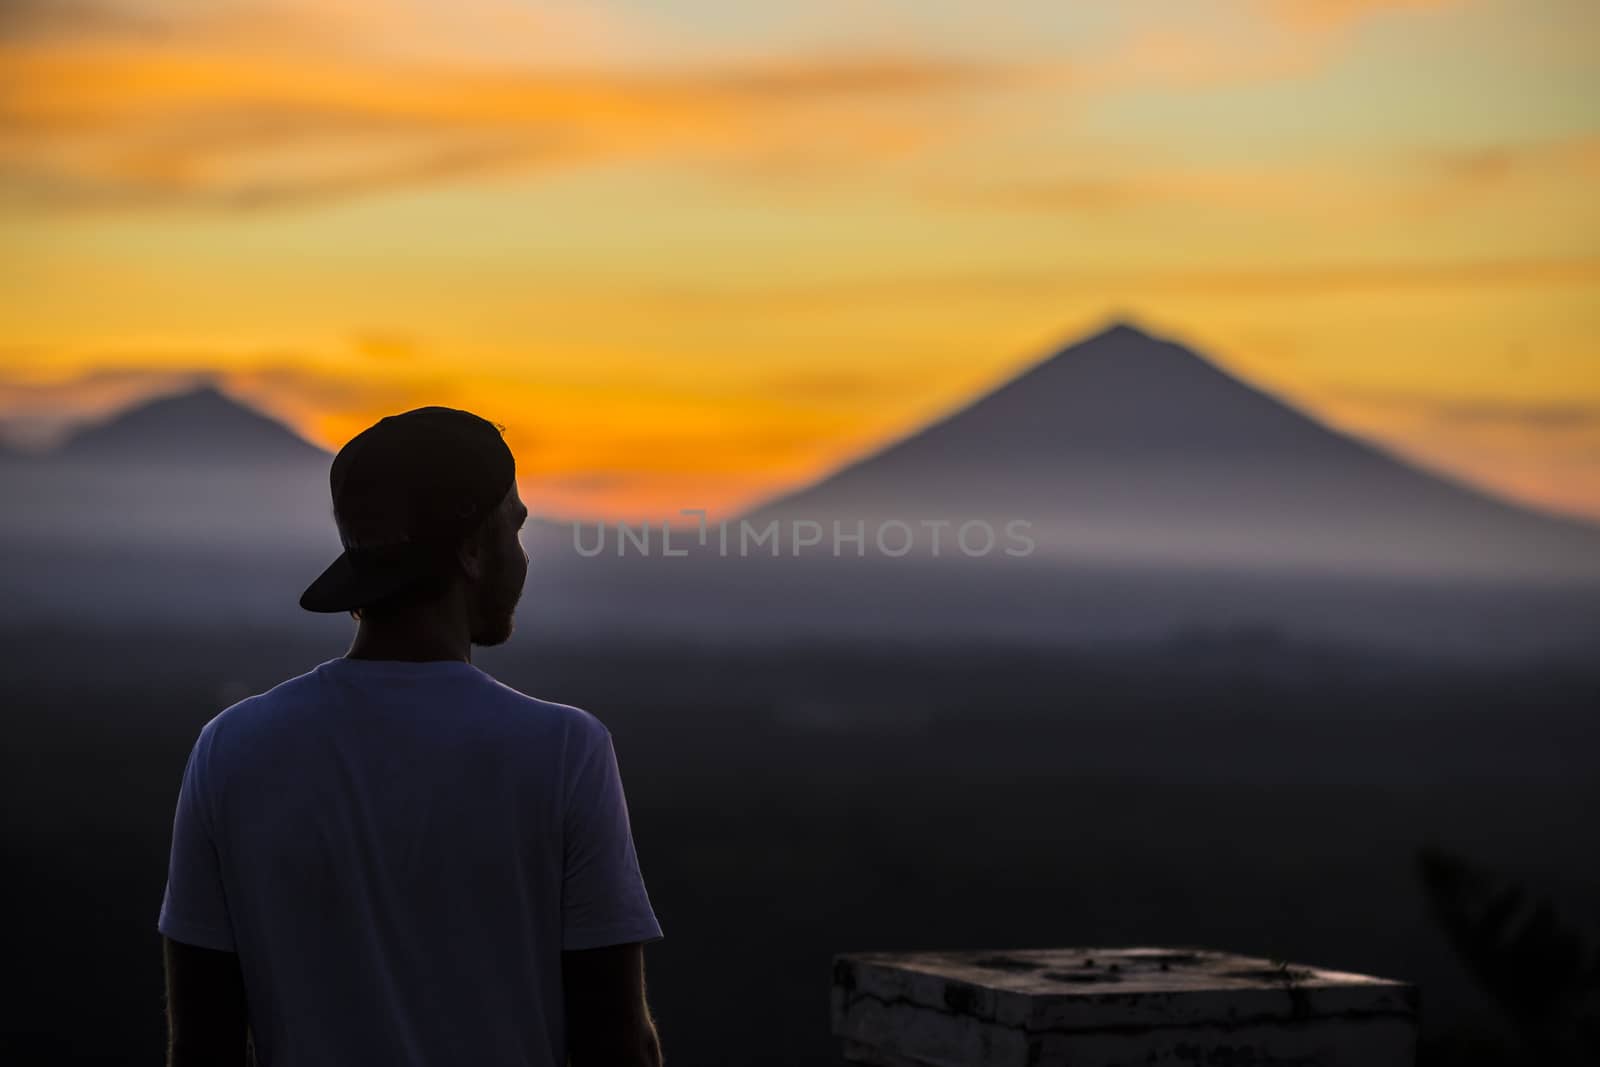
x,y
1115,1007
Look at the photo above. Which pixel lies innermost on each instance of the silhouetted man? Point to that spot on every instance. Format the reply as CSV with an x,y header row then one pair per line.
x,y
395,859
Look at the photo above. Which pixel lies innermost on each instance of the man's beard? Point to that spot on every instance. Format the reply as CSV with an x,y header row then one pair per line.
x,y
495,624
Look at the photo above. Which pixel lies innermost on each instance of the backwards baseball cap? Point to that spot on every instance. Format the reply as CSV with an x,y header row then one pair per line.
x,y
406,490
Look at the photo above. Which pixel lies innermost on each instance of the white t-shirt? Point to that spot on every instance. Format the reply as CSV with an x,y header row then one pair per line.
x,y
399,852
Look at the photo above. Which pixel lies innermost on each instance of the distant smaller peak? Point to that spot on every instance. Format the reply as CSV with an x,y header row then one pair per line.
x,y
206,392
199,419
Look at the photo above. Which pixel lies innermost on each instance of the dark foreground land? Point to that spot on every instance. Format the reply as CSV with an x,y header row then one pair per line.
x,y
793,802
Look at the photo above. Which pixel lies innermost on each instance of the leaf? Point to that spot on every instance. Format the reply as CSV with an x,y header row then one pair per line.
x,y
1542,974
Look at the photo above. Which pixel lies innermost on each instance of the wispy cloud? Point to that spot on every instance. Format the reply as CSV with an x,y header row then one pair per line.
x,y
33,19
1555,416
255,104
1255,188
1413,184
37,412
832,387
1320,15
1546,416
1498,165
1239,43
307,390
226,114
1035,284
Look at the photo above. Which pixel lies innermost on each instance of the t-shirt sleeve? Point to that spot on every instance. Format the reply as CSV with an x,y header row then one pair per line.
x,y
603,899
194,909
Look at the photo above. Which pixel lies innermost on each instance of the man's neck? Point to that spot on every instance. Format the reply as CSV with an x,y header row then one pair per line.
x,y
415,643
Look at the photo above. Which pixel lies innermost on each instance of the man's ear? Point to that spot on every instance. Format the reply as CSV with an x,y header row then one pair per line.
x,y
470,555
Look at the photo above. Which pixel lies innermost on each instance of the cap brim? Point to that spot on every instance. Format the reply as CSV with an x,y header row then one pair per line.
x,y
342,588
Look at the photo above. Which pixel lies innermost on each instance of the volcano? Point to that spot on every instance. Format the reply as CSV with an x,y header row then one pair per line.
x,y
1131,448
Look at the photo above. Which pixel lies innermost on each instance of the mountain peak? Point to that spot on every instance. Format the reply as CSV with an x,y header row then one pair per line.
x,y
199,424
1118,398
1136,447
1120,330
1123,355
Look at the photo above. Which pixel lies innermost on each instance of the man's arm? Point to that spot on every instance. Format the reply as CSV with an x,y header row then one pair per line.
x,y
206,1024
608,1021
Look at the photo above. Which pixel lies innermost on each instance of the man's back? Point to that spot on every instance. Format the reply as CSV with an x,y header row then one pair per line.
x,y
399,853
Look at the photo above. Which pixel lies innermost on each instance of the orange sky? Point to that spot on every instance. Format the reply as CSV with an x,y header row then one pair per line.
x,y
693,258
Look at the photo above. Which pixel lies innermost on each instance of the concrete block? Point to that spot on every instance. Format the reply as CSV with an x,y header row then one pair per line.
x,y
1115,1007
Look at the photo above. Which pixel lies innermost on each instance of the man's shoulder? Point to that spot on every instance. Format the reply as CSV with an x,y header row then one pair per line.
x,y
569,717
489,710
251,711
287,693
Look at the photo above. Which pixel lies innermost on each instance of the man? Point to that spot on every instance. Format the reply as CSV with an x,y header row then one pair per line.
x,y
396,859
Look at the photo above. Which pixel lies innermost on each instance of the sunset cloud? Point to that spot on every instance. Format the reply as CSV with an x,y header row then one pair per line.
x,y
1502,164
1230,281
1541,451
321,397
1414,184
39,412
203,112
1263,41
1551,416
1253,188
1337,14
254,104
1544,416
